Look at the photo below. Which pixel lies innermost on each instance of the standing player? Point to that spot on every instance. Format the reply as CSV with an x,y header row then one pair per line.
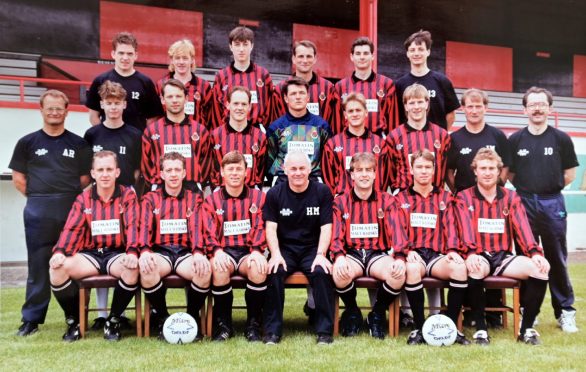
x,y
49,167
297,130
427,215
176,132
237,134
490,217
245,73
379,90
99,237
364,230
170,241
235,238
415,134
199,91
354,139
124,140
544,162
444,102
143,104
298,216
475,135
320,90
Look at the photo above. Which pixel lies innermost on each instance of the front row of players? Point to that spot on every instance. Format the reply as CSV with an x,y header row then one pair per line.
x,y
423,231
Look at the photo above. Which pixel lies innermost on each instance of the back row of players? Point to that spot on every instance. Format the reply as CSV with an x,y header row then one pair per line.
x,y
298,130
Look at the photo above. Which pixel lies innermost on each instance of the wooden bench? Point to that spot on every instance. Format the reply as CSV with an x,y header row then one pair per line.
x,y
491,282
171,281
103,281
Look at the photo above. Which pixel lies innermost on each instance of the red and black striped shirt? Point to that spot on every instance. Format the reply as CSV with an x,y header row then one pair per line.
x,y
171,221
321,99
199,101
338,152
491,227
189,138
234,222
93,223
381,102
251,142
257,79
403,142
430,222
370,224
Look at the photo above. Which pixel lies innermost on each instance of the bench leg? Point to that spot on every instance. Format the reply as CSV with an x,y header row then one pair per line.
x,y
336,315
138,312
82,311
147,317
505,313
209,315
516,311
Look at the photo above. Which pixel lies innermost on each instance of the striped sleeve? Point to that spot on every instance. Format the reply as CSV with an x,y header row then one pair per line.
x,y
212,225
131,215
338,244
450,229
398,228
464,220
73,235
256,236
196,231
146,232
148,166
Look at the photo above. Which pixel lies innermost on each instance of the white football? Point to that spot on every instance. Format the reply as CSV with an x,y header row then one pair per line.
x,y
180,328
439,330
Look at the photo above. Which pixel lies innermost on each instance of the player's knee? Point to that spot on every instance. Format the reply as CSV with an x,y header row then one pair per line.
x,y
130,276
458,271
413,271
58,276
256,276
148,280
220,277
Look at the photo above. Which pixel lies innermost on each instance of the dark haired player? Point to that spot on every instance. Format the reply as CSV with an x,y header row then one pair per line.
x,y
365,228
354,139
490,218
297,130
415,134
238,135
170,241
443,100
176,132
143,104
298,217
235,239
49,167
99,237
199,91
243,72
544,162
321,91
427,215
379,90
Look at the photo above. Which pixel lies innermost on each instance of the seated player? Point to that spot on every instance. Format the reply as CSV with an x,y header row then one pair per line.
x,y
170,241
363,234
99,237
354,138
238,134
235,239
490,219
427,215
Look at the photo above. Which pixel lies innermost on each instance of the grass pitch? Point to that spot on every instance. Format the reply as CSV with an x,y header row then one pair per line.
x,y
44,351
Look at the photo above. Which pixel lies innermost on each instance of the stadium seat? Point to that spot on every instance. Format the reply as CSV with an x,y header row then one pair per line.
x,y
103,281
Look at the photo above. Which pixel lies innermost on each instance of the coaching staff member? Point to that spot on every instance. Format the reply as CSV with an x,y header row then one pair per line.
x,y
49,167
544,162
298,217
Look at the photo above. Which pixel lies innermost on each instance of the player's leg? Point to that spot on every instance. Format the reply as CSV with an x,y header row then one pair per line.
x,y
414,272
223,298
275,299
456,273
351,318
66,290
478,297
199,288
254,294
389,290
152,284
523,268
123,293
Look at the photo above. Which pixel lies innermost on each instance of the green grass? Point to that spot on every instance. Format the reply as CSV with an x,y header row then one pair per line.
x,y
45,350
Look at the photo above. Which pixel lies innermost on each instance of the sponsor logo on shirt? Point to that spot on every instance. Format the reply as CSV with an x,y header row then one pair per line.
x,y
240,227
466,151
97,148
405,205
523,152
338,148
41,152
286,212
87,211
219,212
155,137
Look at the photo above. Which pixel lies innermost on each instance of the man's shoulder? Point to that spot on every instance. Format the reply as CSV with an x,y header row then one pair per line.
x,y
30,136
106,75
74,138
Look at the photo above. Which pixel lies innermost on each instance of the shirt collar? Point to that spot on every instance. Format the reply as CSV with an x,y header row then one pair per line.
x,y
116,194
369,79
499,193
412,191
242,195
364,135
184,122
179,196
231,129
373,196
248,70
411,129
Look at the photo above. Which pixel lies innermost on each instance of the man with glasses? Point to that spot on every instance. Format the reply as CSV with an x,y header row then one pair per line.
x,y
544,162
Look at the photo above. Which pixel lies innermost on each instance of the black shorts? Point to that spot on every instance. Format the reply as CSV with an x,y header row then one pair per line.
x,y
102,258
429,257
365,258
173,254
236,255
499,261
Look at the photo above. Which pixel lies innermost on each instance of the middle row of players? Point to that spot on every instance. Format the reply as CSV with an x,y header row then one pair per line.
x,y
397,240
